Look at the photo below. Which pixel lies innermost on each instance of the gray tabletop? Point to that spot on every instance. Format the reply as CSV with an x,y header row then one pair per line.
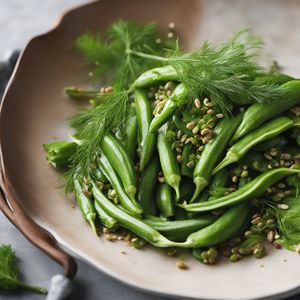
x,y
18,23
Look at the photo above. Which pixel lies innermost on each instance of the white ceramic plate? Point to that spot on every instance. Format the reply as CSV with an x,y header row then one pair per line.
x,y
35,110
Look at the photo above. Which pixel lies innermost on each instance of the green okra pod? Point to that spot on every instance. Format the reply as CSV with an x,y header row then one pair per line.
x,y
60,153
128,203
79,93
130,135
168,162
165,200
251,190
105,219
147,140
222,229
258,113
180,93
179,230
131,223
156,76
85,204
120,161
263,133
147,186
213,151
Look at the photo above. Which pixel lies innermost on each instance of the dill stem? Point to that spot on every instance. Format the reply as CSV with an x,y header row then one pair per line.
x,y
33,288
149,56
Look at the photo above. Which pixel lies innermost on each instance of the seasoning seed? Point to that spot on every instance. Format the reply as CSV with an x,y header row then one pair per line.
x,y
270,236
282,206
298,249
108,89
190,125
210,112
181,265
205,131
170,35
234,179
171,25
256,221
179,158
195,130
197,103
268,156
158,41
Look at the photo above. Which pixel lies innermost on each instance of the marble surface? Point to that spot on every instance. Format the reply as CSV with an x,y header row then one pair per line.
x,y
19,21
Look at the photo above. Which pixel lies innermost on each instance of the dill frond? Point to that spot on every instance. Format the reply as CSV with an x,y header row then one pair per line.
x,y
92,124
111,54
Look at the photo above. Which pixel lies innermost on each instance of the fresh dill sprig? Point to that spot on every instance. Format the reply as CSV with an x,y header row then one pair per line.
x,y
111,55
288,221
9,272
224,73
92,124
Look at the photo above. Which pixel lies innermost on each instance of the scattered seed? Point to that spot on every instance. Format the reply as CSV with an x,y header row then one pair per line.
x,y
256,220
123,252
158,40
268,156
171,25
178,149
205,131
108,89
179,158
170,35
161,179
282,206
235,179
298,249
195,130
181,265
270,236
210,112
190,125
190,164
220,116
197,103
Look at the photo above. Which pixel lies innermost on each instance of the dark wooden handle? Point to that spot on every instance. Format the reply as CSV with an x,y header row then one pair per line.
x,y
31,230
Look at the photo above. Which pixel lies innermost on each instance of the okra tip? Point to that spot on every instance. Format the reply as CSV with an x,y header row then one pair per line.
x,y
200,184
174,182
227,160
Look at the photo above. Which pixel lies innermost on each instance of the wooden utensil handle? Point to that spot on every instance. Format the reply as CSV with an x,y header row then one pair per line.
x,y
32,231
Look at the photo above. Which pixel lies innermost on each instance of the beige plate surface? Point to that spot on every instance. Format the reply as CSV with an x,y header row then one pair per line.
x,y
35,110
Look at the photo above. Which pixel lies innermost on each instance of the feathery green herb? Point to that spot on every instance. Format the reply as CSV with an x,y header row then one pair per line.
x,y
111,55
288,222
225,74
9,272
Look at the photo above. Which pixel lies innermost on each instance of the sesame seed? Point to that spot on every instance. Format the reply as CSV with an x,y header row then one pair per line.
x,y
220,116
298,249
210,112
158,41
170,35
123,252
108,89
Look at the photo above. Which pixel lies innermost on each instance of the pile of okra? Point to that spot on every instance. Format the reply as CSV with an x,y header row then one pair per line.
x,y
192,177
